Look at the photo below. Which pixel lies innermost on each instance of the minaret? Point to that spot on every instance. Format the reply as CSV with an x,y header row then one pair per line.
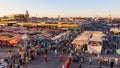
x,y
26,16
109,18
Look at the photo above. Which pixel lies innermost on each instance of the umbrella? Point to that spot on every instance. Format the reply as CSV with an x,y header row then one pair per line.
x,y
118,51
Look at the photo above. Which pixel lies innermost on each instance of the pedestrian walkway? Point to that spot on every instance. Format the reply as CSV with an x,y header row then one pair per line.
x,y
4,51
53,62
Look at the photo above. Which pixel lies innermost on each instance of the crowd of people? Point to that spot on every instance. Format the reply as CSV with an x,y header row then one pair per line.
x,y
32,49
111,44
29,50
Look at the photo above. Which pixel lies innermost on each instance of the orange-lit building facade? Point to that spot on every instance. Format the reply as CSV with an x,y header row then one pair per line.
x,y
17,17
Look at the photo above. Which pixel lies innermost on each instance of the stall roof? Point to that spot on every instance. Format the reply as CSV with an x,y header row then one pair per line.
x,y
60,35
86,36
82,38
115,29
97,36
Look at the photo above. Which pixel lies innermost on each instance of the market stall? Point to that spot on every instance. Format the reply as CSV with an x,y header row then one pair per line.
x,y
116,31
82,39
9,40
95,42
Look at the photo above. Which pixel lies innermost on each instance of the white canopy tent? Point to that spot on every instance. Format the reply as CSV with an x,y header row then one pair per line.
x,y
88,36
97,36
83,38
96,40
60,35
115,29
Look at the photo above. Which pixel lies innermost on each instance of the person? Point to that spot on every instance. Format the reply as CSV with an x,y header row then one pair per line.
x,y
20,61
32,57
80,66
36,55
63,66
26,59
46,51
17,65
4,63
90,60
45,58
67,63
55,52
69,56
116,61
111,64
51,52
64,50
100,62
60,57
10,54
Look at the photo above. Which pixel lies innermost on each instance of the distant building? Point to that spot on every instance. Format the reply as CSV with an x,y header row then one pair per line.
x,y
16,17
27,16
59,19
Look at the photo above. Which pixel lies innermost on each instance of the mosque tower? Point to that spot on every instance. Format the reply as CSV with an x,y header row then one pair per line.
x,y
109,18
26,16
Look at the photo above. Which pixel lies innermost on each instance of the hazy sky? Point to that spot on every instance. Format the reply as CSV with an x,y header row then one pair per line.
x,y
53,8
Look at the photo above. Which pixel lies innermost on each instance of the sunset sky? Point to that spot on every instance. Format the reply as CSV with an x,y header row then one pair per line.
x,y
65,8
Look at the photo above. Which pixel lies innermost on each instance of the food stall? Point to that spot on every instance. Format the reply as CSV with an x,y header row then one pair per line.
x,y
82,39
9,39
95,42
